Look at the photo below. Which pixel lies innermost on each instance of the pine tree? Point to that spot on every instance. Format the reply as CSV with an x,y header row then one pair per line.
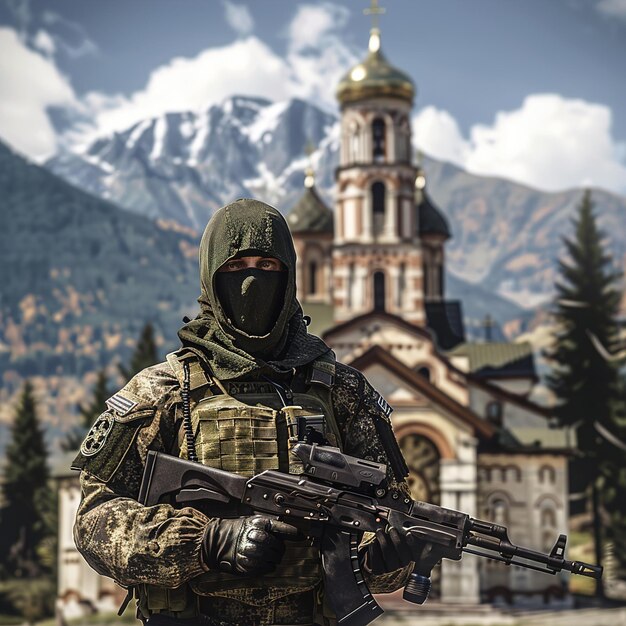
x,y
89,412
23,525
613,455
145,353
584,381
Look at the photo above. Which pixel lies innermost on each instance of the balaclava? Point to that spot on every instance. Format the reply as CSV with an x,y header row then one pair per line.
x,y
251,298
249,320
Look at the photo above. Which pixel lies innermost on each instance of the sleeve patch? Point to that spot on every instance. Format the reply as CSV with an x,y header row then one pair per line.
x,y
98,434
122,405
384,405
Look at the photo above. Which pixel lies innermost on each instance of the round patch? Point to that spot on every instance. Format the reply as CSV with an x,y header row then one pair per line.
x,y
97,435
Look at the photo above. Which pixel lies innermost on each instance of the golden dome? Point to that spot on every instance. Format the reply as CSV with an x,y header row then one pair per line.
x,y
374,77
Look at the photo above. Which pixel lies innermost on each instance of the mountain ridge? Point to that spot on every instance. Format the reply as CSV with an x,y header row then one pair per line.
x,y
506,236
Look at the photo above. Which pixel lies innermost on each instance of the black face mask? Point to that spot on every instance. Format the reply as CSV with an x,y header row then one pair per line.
x,y
252,299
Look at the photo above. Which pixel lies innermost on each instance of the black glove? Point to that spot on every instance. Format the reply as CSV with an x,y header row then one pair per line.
x,y
246,545
391,551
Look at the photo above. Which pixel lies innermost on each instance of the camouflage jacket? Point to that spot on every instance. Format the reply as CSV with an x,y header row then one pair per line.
x,y
160,545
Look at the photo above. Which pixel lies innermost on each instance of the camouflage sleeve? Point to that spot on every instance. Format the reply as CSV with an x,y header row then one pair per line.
x,y
119,537
357,406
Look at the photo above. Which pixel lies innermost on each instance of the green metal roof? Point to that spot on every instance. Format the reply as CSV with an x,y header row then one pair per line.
x,y
512,357
310,214
431,220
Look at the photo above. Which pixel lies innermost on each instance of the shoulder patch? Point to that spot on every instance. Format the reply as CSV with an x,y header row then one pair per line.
x,y
383,404
98,434
121,404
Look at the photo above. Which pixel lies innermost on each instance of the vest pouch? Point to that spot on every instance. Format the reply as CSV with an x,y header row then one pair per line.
x,y
176,601
237,437
248,439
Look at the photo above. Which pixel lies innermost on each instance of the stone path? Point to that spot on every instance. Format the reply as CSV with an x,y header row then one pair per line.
x,y
575,617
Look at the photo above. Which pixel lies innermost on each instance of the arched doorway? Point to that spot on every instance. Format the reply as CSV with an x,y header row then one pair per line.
x,y
379,291
423,460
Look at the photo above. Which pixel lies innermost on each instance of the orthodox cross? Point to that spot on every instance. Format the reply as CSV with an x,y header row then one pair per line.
x,y
488,325
374,11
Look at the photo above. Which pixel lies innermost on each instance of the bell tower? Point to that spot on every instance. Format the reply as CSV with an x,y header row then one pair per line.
x,y
377,258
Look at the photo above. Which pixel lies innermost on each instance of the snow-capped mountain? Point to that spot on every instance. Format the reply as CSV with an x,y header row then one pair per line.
x,y
506,237
182,166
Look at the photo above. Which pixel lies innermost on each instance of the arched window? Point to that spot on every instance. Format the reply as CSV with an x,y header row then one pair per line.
x,y
424,372
494,412
351,285
499,512
548,517
547,474
401,285
312,278
354,143
378,140
513,473
379,291
378,207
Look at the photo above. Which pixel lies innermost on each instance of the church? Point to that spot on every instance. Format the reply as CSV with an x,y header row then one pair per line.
x,y
370,276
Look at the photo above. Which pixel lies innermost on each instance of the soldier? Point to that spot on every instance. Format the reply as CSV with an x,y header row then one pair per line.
x,y
231,398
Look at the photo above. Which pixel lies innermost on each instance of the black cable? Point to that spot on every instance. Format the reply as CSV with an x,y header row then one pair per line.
x,y
191,447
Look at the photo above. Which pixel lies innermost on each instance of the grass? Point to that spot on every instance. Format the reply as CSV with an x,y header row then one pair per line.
x,y
581,549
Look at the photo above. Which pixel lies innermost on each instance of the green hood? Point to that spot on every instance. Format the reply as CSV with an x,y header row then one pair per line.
x,y
249,225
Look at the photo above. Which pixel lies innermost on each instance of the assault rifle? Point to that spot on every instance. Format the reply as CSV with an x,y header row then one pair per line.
x,y
333,501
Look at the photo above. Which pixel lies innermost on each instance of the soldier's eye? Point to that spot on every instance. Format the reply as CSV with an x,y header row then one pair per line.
x,y
269,264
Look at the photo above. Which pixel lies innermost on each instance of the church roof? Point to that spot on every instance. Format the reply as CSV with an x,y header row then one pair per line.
x,y
310,214
430,219
498,359
445,319
376,354
375,77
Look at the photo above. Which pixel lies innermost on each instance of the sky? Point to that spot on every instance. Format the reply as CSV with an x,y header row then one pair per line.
x,y
531,90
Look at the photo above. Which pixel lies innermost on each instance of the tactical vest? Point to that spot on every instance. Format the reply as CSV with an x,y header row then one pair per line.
x,y
247,428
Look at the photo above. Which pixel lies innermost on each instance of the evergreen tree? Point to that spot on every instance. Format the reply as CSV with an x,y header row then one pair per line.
x,y
89,412
584,381
23,523
613,486
145,353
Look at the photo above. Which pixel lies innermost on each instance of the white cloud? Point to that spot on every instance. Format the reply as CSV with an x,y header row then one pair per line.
x,y
238,17
550,142
246,66
69,36
438,134
612,8
313,24
316,59
29,83
44,42
317,54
